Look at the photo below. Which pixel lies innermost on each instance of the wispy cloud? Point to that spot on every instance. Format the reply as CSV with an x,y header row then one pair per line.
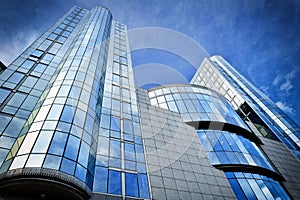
x,y
19,43
284,82
283,106
277,79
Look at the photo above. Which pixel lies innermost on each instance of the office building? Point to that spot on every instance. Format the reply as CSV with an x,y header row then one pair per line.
x,y
74,126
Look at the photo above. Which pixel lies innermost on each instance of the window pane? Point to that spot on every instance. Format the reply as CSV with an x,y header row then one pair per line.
x,y
17,99
3,94
143,186
3,154
40,68
128,126
131,185
15,126
84,154
55,112
15,78
72,147
30,102
115,149
103,146
52,162
43,141
80,172
47,58
67,166
35,160
114,182
100,179
28,64
37,53
58,143
67,114
115,124
237,189
129,152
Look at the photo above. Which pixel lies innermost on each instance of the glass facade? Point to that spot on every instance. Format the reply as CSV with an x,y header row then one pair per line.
x,y
24,86
120,157
225,148
249,101
74,126
195,104
255,186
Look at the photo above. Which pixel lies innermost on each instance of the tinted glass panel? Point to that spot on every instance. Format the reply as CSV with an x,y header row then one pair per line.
x,y
100,179
255,186
16,77
28,64
131,185
114,182
143,186
4,94
72,147
58,143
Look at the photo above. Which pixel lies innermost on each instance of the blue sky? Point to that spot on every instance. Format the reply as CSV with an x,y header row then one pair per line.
x,y
260,38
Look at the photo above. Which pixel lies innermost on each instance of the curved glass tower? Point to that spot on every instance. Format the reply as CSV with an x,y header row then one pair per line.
x,y
228,142
57,141
74,126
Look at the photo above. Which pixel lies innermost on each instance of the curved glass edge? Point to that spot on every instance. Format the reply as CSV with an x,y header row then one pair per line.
x,y
227,148
195,103
255,186
59,133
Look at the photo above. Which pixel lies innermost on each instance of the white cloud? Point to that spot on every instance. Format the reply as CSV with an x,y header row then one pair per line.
x,y
277,79
287,85
18,44
285,82
285,107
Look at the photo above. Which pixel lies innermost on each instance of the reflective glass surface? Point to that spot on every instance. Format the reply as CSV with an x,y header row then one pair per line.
x,y
195,104
120,156
255,186
223,147
216,73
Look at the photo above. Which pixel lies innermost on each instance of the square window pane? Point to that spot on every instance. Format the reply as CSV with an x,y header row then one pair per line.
x,y
37,53
52,162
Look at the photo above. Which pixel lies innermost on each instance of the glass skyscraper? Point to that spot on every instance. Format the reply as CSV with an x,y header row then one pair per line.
x,y
74,126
